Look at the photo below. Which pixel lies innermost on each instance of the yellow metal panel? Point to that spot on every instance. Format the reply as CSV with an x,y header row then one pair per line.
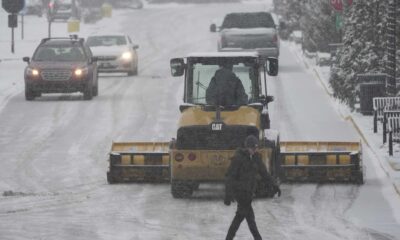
x,y
106,10
289,160
303,160
125,159
242,116
140,146
73,25
319,146
331,160
138,160
344,159
210,165
165,159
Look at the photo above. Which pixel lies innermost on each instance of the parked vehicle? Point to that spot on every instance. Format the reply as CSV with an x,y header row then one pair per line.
x,y
116,53
61,65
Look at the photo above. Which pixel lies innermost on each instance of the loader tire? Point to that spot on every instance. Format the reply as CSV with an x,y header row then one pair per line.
x,y
180,189
110,178
359,179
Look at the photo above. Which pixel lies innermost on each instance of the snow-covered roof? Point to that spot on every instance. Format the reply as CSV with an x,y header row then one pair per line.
x,y
223,54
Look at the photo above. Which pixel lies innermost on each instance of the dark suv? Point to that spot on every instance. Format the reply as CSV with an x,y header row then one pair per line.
x,y
61,65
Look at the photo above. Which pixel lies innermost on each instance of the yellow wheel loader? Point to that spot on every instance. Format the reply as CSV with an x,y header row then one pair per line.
x,y
208,135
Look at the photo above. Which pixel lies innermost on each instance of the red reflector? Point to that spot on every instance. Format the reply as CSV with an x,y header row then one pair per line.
x,y
192,156
179,157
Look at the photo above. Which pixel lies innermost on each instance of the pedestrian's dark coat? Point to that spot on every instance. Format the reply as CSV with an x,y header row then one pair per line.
x,y
225,89
241,182
241,176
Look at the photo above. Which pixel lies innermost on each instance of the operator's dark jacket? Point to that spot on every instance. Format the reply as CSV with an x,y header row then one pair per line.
x,y
241,176
225,89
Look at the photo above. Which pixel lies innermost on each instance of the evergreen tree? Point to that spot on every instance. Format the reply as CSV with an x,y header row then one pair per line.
x,y
318,26
363,50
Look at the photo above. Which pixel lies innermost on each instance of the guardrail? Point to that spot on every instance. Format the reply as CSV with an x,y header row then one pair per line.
x,y
394,132
382,104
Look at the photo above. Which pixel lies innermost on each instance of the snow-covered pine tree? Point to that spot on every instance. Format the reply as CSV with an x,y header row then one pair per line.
x,y
290,13
318,25
364,47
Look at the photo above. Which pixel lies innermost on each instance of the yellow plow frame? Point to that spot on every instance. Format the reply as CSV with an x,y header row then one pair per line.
x,y
139,162
296,162
321,162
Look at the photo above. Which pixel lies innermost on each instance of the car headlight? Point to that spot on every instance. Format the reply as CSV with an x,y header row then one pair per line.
x,y
32,72
80,71
127,56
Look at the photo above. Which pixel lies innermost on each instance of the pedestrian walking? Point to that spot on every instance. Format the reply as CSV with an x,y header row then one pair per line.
x,y
241,183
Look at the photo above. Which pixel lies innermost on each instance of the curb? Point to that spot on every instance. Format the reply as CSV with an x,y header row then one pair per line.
x,y
364,139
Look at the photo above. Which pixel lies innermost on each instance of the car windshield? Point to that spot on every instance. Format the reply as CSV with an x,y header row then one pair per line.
x,y
106,41
59,54
248,20
201,73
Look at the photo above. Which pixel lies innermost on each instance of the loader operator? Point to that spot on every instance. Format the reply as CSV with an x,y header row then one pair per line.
x,y
241,184
225,88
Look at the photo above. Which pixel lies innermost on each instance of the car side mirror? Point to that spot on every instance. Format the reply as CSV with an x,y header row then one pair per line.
x,y
26,59
177,67
213,27
266,99
269,99
272,66
135,47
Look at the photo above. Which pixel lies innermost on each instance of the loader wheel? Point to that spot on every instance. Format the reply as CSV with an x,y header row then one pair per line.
x,y
359,179
110,178
181,189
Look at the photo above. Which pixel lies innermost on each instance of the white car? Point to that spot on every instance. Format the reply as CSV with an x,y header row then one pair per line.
x,y
115,53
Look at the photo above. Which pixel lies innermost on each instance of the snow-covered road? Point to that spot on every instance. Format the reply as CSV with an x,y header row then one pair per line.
x,y
53,150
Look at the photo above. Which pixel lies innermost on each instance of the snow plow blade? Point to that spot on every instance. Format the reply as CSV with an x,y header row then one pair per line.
x,y
139,162
321,162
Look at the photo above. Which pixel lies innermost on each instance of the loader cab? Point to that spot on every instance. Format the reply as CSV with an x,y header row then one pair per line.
x,y
200,68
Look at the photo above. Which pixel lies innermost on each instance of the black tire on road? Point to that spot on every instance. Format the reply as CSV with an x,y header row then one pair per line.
x,y
96,90
181,189
88,92
29,94
134,71
110,178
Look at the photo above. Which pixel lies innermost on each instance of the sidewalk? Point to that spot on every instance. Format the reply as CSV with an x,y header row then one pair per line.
x,y
363,124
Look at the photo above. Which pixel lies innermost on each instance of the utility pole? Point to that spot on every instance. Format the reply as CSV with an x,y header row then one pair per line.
x,y
391,49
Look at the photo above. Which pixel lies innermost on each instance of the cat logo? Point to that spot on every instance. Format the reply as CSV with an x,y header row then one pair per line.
x,y
216,126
